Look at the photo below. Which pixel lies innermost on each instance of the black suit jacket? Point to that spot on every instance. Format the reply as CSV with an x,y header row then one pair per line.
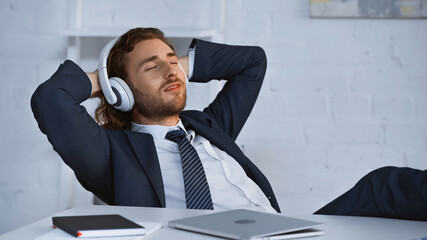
x,y
121,167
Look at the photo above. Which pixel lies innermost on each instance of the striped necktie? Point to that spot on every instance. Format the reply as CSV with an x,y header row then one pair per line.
x,y
197,191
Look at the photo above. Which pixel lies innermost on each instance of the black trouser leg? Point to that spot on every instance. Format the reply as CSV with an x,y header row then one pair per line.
x,y
389,192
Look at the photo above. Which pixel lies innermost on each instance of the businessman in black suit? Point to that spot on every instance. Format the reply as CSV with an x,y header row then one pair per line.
x,y
129,160
126,158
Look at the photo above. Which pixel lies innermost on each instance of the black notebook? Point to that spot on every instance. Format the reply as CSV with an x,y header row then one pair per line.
x,y
98,225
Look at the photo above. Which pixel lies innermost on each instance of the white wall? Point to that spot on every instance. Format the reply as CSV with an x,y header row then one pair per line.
x,y
341,96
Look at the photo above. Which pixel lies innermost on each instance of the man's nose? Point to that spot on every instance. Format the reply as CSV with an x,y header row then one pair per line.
x,y
171,71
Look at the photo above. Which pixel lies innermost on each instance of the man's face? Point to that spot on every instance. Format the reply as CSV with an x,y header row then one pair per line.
x,y
157,82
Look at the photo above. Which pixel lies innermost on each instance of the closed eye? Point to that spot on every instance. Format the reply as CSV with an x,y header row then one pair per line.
x,y
150,68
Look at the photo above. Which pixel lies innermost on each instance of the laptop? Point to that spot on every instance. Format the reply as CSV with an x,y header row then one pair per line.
x,y
248,224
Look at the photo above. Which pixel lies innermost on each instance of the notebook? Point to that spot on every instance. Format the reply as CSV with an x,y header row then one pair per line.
x,y
58,234
247,224
98,225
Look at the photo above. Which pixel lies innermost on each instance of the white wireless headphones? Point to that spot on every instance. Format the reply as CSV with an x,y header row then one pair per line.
x,y
116,91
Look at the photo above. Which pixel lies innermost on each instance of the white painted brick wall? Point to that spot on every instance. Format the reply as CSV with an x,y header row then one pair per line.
x,y
354,88
341,96
28,168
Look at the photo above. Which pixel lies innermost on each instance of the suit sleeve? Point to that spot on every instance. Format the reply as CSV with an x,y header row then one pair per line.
x,y
243,67
78,139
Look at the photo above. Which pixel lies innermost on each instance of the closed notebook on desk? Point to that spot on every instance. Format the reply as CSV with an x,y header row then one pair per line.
x,y
98,226
247,224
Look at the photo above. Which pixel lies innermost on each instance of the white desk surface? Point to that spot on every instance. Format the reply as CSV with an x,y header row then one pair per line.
x,y
336,227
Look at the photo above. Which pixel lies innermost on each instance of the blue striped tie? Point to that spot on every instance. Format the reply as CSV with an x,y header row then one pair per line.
x,y
197,190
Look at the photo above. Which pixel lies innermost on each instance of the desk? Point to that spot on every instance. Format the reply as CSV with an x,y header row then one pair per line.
x,y
336,227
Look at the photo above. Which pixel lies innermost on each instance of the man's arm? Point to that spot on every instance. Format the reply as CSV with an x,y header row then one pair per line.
x,y
78,139
243,67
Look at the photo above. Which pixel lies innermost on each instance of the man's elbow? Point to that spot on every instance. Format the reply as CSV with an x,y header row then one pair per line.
x,y
259,60
261,54
39,98
44,101
260,57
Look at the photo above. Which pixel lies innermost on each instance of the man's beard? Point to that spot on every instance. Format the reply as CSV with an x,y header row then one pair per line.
x,y
155,108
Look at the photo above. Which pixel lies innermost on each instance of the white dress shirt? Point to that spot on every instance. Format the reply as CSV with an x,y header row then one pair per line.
x,y
229,185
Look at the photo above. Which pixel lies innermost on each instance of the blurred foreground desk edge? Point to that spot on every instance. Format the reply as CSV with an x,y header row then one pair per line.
x,y
336,227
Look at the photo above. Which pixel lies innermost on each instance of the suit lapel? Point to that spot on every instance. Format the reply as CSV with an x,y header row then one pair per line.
x,y
145,150
205,126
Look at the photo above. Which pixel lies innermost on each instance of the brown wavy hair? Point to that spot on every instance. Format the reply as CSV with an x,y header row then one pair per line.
x,y
106,115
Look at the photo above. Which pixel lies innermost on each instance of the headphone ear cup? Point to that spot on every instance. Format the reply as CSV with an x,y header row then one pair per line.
x,y
124,95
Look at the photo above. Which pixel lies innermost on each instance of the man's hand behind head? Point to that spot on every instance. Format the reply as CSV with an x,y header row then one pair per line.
x,y
96,87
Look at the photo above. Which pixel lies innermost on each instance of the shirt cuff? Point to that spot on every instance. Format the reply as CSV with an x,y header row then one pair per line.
x,y
191,57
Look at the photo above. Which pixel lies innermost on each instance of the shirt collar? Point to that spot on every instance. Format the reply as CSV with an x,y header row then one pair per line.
x,y
157,131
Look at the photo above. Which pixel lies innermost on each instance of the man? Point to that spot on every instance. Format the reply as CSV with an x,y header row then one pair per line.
x,y
134,158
